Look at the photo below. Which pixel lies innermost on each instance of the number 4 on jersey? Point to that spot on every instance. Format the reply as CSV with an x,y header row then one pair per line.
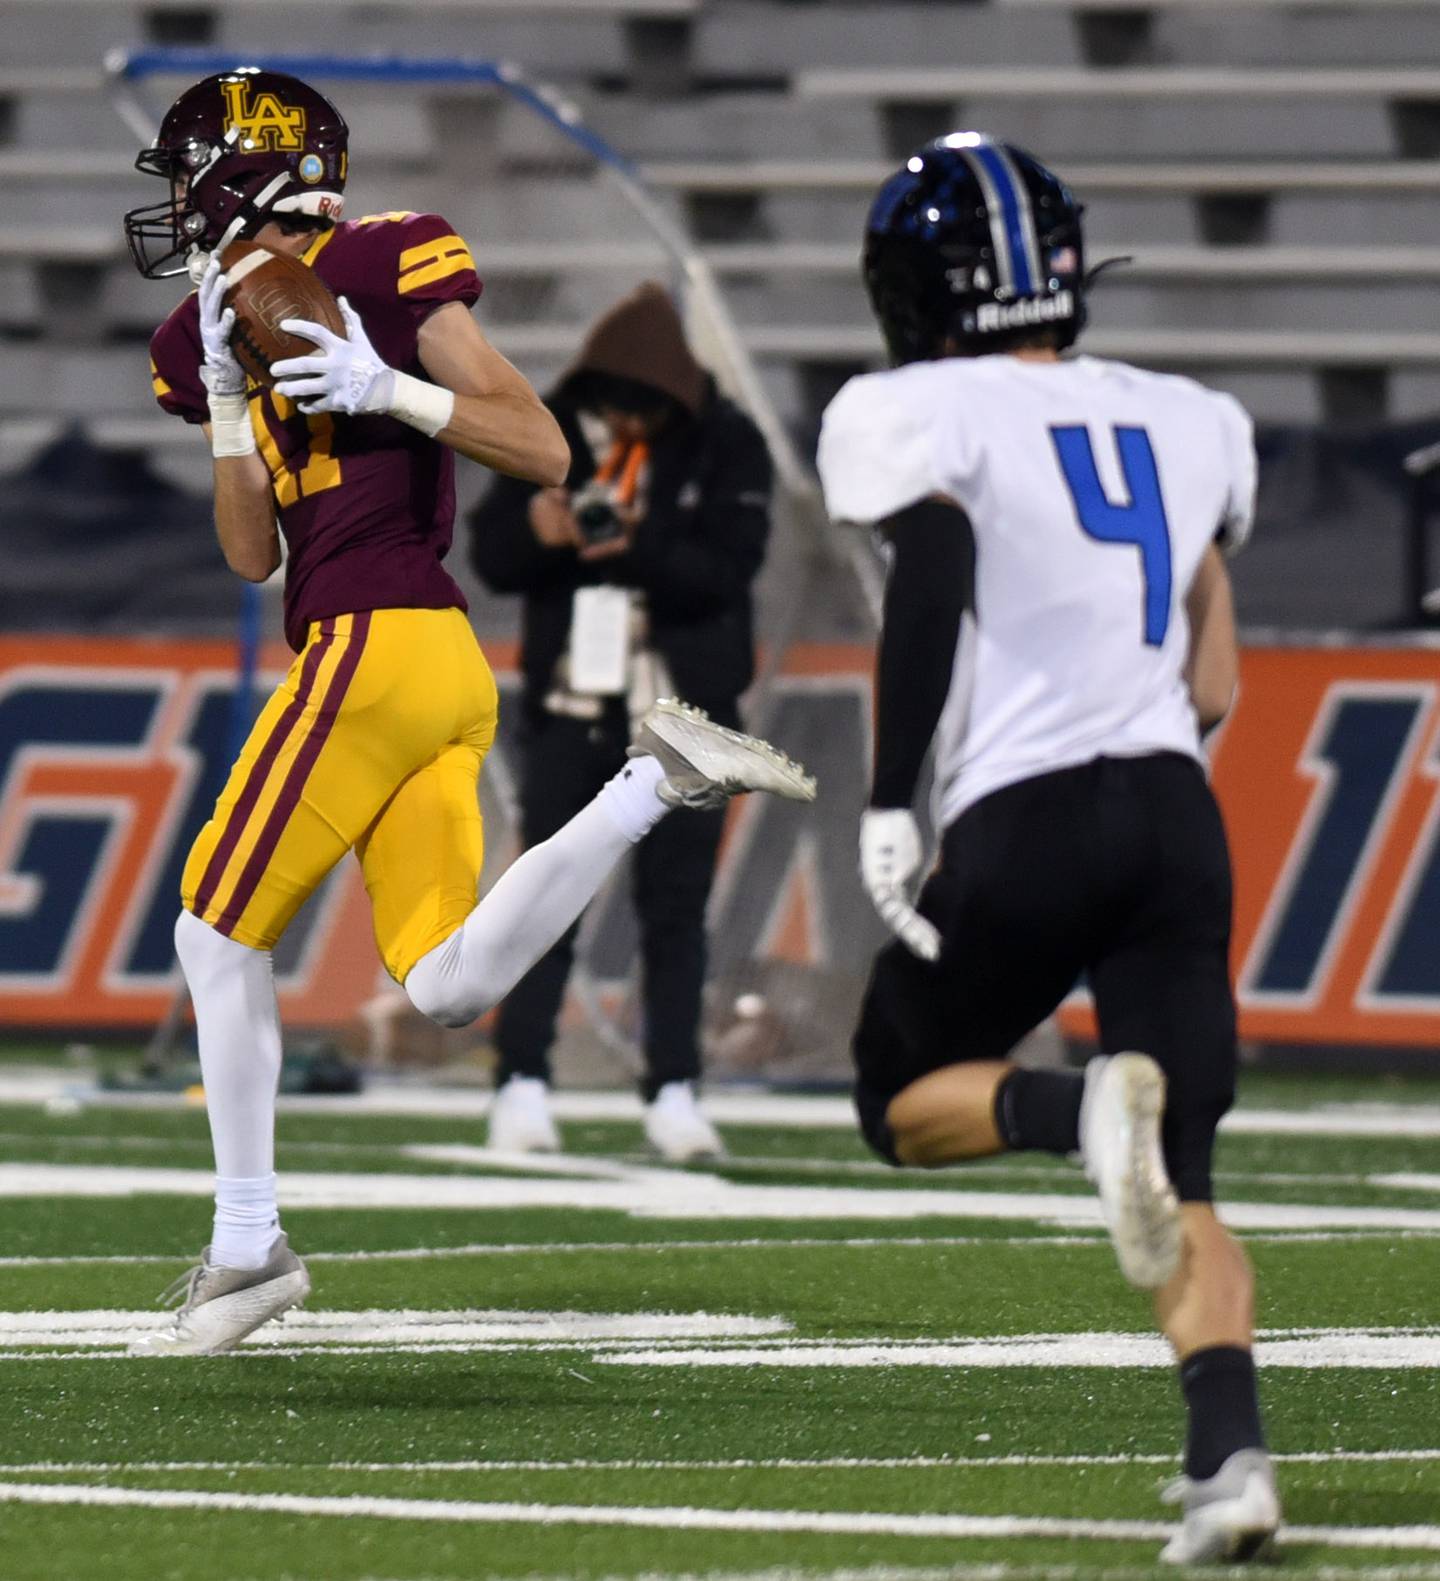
x,y
1140,523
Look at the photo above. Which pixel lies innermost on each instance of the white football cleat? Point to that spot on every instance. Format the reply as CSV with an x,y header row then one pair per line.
x,y
1120,1116
705,764
520,1118
1229,1517
677,1129
219,1306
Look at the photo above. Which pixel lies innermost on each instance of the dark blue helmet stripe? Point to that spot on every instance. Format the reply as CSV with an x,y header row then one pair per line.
x,y
1018,227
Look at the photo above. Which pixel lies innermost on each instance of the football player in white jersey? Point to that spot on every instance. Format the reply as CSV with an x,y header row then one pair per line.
x,y
1058,623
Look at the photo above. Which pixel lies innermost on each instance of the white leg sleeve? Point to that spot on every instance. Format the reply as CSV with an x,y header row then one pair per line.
x,y
237,1025
536,900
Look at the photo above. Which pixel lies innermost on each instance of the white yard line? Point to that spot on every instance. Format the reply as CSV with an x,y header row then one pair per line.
x,y
749,1244
786,1110
685,1195
676,1518
993,1571
1012,1572
404,1329
1319,1457
539,1248
629,1165
1319,1348
697,1339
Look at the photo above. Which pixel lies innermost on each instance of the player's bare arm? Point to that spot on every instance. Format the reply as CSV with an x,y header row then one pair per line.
x,y
1213,669
245,515
498,419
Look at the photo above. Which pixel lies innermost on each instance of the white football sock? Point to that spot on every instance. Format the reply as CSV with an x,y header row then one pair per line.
x,y
632,798
237,1026
535,901
246,1221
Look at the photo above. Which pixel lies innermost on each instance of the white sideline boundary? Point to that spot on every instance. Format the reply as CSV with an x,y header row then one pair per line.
x,y
695,1340
1316,1457
999,1571
407,1328
683,1195
800,1111
1308,1350
750,1244
406,1254
676,1517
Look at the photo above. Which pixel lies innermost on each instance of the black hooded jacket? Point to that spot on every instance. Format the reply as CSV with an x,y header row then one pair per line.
x,y
699,547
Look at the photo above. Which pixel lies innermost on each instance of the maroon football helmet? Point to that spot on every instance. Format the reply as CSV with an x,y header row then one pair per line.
x,y
237,149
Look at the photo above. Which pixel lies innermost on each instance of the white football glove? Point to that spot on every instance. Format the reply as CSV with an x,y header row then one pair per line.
x,y
890,856
346,374
220,373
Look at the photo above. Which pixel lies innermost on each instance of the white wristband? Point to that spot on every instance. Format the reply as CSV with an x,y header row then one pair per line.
x,y
428,407
230,430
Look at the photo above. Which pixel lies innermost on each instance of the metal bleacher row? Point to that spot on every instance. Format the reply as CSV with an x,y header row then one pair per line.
x,y
1273,167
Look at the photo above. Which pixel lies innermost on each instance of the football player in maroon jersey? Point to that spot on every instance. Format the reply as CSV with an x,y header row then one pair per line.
x,y
375,739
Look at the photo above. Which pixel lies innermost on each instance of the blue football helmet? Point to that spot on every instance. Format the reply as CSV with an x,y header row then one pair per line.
x,y
973,246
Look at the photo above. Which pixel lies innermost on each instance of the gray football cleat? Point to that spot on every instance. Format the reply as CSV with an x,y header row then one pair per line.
x,y
220,1306
705,764
1229,1517
1120,1115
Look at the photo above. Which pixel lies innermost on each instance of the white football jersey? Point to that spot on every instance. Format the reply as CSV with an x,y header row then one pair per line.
x,y
1093,490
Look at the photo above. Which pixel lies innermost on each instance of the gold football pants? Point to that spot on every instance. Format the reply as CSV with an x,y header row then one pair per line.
x,y
373,742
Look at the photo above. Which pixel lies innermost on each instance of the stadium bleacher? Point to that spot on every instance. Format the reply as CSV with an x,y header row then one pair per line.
x,y
762,124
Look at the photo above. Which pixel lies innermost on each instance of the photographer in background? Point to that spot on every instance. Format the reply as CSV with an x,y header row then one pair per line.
x,y
637,581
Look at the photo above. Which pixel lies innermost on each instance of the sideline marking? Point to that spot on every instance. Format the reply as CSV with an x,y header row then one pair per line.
x,y
1317,1457
998,1571
685,1518
752,1243
786,1110
685,1196
1312,1348
648,1339
520,1248
401,1329
626,1165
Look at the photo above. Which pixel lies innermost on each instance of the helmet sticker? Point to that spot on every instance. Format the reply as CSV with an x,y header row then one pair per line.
x,y
264,121
311,168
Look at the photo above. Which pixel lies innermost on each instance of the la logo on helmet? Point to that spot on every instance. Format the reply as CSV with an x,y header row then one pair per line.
x,y
264,122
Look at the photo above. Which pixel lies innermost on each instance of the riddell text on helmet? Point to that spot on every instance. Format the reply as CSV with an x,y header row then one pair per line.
x,y
990,316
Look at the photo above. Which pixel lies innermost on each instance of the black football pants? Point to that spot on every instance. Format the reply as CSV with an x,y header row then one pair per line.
x,y
563,764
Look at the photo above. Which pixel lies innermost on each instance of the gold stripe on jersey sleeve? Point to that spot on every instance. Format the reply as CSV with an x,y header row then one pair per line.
x,y
393,216
161,388
437,271
422,266
427,252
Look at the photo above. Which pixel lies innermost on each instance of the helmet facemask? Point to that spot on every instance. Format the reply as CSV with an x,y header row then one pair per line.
x,y
162,235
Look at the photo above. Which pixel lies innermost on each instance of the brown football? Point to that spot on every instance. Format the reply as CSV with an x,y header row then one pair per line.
x,y
265,288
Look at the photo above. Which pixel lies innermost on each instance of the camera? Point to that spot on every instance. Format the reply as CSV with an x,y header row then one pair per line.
x,y
594,509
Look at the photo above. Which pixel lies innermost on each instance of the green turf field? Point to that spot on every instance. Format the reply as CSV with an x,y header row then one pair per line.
x,y
800,1364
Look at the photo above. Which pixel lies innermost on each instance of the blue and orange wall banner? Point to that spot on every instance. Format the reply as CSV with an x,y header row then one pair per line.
x,y
112,753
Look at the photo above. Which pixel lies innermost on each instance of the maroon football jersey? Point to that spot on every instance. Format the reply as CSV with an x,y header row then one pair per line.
x,y
367,504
